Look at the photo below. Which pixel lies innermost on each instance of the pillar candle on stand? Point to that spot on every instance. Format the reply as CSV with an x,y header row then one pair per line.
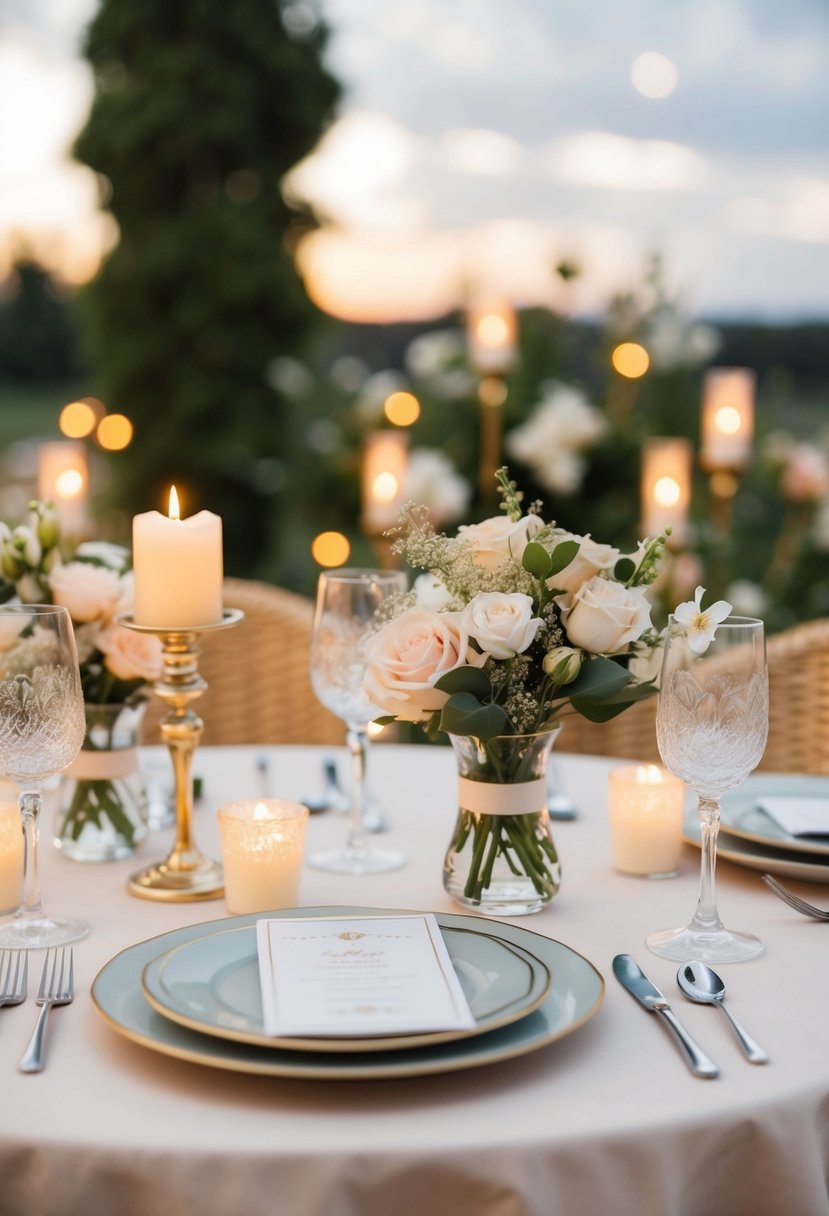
x,y
727,418
178,569
646,813
385,460
666,487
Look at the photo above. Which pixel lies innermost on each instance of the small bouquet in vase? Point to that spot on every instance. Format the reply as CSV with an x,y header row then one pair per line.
x,y
103,805
514,624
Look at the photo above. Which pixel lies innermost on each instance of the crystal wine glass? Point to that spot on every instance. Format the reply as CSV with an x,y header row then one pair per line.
x,y
348,605
42,727
711,727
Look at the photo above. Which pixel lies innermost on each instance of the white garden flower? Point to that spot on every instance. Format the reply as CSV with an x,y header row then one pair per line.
x,y
701,623
431,479
553,439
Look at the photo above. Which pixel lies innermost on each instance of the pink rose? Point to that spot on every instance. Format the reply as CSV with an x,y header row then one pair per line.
x,y
89,592
407,656
497,540
130,655
590,560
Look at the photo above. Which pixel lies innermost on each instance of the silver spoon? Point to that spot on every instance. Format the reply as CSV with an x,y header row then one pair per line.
x,y
701,984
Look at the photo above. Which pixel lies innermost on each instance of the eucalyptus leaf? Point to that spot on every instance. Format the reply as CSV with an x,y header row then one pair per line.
x,y
624,569
563,554
466,679
464,715
598,680
537,561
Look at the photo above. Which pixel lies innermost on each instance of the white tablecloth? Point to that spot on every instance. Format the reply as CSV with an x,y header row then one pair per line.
x,y
606,1120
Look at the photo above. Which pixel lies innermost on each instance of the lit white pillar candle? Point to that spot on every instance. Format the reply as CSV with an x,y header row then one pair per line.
x,y
63,479
262,847
11,850
178,568
385,459
727,423
646,813
666,487
492,337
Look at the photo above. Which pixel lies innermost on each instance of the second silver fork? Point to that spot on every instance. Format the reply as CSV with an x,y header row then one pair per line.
x,y
14,975
794,901
56,988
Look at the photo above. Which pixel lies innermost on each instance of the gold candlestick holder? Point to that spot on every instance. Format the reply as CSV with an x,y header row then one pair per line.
x,y
186,874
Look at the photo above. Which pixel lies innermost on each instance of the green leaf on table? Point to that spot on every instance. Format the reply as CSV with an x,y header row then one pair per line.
x,y
466,679
463,714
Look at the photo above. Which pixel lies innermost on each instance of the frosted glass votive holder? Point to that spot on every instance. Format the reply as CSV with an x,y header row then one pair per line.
x,y
647,806
262,847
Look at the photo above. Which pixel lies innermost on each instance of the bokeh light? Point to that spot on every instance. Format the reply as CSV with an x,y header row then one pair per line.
x,y
654,75
630,359
79,418
384,487
69,483
402,408
114,432
727,420
330,549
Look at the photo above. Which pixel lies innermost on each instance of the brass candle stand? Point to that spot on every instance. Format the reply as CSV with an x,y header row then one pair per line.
x,y
186,874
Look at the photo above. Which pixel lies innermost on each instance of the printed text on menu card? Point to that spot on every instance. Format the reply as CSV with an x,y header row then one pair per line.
x,y
357,976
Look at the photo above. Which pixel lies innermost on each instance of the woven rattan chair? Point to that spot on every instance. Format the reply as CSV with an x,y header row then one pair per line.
x,y
798,711
259,690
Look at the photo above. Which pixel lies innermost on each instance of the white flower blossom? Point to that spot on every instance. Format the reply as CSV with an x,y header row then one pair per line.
x,y
554,438
701,623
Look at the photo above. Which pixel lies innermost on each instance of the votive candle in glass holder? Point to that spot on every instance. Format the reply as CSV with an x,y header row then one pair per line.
x,y
646,812
11,850
262,846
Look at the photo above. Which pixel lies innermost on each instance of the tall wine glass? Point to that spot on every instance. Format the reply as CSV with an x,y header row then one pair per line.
x,y
41,730
711,728
348,604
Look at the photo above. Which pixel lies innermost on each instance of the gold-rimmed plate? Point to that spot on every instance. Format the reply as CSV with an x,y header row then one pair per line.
x,y
575,995
212,985
742,816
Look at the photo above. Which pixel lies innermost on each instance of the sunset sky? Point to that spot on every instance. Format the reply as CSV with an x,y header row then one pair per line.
x,y
480,143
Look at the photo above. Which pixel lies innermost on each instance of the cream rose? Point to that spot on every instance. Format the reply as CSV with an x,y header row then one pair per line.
x,y
407,656
604,617
130,655
591,559
89,592
496,540
501,624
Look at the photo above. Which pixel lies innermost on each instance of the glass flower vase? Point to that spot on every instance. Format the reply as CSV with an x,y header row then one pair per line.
x,y
501,860
102,812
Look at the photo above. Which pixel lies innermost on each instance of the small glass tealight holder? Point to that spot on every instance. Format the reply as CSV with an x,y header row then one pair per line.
x,y
262,847
646,814
11,850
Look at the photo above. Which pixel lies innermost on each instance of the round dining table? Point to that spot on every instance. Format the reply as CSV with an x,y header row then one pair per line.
x,y
604,1119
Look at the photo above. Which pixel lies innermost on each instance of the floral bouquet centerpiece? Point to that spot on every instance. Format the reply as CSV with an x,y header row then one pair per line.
x,y
516,623
103,806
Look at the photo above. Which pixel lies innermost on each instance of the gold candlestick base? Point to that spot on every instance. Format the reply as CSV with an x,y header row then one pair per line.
x,y
185,874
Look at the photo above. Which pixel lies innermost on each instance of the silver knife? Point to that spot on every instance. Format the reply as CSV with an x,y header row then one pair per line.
x,y
630,974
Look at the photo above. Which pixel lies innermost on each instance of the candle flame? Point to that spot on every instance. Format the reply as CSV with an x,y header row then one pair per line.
x,y
727,420
174,512
260,812
649,774
69,483
667,491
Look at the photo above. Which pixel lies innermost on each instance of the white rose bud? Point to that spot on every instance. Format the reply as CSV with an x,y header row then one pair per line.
x,y
28,545
503,625
563,664
47,525
604,617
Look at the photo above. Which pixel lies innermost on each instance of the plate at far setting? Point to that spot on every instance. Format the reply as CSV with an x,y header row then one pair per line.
x,y
212,985
741,816
809,867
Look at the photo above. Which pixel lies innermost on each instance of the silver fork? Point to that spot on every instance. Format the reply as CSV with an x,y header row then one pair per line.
x,y
794,901
56,988
13,979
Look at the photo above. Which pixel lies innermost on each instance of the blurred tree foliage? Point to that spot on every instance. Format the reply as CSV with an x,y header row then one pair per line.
x,y
200,109
38,329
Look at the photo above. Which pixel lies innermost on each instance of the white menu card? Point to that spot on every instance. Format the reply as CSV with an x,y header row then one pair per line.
x,y
357,976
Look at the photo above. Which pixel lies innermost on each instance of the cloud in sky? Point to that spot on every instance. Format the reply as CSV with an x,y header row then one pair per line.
x,y
487,141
